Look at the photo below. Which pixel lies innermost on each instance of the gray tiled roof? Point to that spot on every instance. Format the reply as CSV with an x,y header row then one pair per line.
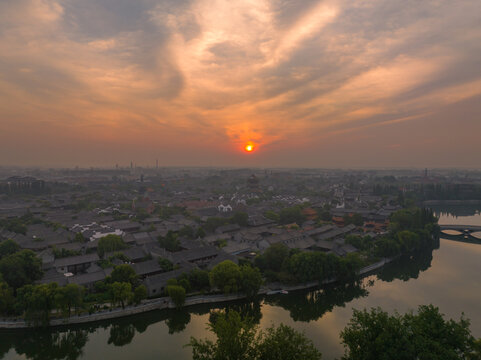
x,y
147,267
86,279
76,260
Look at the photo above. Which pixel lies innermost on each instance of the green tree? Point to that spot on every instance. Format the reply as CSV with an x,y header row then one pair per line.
x,y
291,215
285,343
165,264
170,241
272,215
79,238
140,293
325,215
172,281
355,219
226,276
238,339
124,273
359,242
476,352
386,247
214,222
8,247
309,266
251,280
177,294
121,292
38,302
273,258
408,240
6,298
185,283
21,268
348,267
200,233
187,231
69,296
110,243
199,279
425,335
15,225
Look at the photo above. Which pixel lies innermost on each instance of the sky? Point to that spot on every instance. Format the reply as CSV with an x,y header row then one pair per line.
x,y
334,83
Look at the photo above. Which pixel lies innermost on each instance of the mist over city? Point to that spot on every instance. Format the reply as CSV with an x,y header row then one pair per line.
x,y
240,180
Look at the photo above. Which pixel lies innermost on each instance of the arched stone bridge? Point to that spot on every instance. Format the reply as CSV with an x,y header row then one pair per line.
x,y
465,231
461,228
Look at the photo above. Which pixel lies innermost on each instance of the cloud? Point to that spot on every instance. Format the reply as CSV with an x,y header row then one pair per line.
x,y
229,71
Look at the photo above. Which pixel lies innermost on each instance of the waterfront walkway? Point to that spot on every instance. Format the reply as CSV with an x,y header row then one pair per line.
x,y
167,303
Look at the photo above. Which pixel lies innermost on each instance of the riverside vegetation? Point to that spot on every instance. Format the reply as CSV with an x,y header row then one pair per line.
x,y
410,230
370,335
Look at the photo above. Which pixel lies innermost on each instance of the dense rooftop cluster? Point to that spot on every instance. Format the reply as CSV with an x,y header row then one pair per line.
x,y
83,224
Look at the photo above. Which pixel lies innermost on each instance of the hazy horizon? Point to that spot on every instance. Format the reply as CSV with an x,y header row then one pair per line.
x,y
312,84
421,170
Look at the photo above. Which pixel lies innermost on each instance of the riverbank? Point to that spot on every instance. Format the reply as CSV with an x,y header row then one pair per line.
x,y
166,303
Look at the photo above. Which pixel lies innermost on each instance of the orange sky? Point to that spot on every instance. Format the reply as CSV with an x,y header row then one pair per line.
x,y
334,83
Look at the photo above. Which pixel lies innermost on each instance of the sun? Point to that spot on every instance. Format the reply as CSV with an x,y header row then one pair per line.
x,y
249,147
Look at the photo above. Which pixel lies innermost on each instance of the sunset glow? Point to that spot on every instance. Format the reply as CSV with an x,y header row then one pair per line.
x,y
362,82
249,147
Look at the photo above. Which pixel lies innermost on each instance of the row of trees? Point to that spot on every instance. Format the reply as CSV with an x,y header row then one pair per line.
x,y
226,276
373,334
229,277
240,218
280,263
409,230
110,243
37,302
287,215
19,224
239,338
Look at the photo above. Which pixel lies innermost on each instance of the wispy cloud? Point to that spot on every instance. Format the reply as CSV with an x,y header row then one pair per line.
x,y
156,75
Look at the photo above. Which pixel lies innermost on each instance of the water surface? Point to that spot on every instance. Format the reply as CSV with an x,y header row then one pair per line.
x,y
448,277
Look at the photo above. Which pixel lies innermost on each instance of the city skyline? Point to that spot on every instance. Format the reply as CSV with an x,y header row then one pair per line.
x,y
330,84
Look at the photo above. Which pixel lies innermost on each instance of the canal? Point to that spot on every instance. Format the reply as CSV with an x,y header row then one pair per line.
x,y
448,277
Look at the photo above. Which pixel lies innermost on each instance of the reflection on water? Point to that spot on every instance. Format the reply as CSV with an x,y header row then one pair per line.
x,y
44,345
458,215
121,335
456,211
447,277
312,305
451,232
303,306
407,267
